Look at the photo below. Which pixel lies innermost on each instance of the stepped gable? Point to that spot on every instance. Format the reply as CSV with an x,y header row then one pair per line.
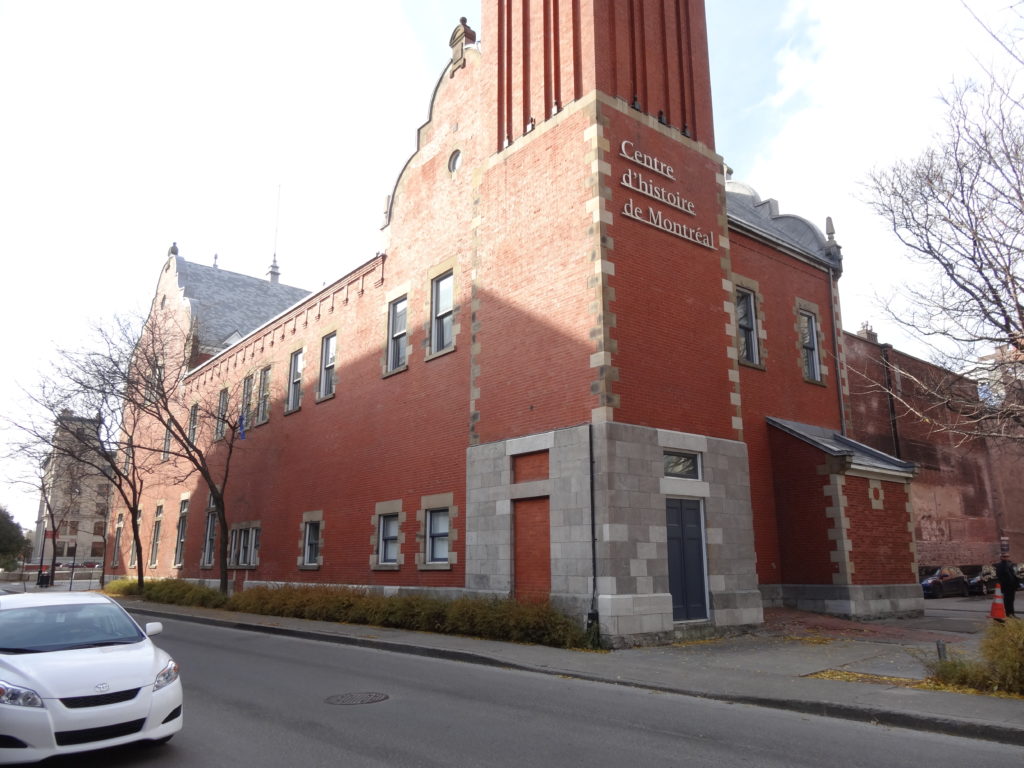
x,y
226,305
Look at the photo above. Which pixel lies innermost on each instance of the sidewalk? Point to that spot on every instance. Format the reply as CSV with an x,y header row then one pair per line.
x,y
770,667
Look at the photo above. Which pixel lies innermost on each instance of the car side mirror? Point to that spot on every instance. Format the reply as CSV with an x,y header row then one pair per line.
x,y
154,628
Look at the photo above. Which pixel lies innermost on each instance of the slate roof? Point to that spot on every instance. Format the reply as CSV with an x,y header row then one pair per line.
x,y
761,218
833,443
227,305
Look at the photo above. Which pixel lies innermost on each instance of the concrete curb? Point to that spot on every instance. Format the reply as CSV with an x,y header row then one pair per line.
x,y
864,714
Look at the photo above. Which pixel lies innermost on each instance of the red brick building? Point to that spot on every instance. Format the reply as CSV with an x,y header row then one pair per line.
x,y
586,368
966,494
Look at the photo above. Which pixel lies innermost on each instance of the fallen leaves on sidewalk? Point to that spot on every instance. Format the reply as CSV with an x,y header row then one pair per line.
x,y
846,676
928,684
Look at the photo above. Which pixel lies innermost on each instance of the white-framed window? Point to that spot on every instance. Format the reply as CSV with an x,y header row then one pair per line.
x,y
311,542
132,553
193,422
328,355
245,414
115,558
222,415
210,539
809,346
244,545
746,326
165,451
154,544
263,404
397,337
294,399
437,535
685,464
179,539
441,312
387,540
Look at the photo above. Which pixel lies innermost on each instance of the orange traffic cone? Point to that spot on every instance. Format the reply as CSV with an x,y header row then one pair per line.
x,y
997,612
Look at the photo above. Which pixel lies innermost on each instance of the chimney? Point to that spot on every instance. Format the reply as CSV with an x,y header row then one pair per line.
x,y
866,332
274,274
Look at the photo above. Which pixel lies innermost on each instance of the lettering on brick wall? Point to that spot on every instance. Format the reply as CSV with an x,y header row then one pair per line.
x,y
649,187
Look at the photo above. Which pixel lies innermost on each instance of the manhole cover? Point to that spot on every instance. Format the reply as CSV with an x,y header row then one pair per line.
x,y
368,697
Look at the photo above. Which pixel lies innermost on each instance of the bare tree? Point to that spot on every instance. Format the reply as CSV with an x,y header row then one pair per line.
x,y
195,421
79,419
959,210
150,421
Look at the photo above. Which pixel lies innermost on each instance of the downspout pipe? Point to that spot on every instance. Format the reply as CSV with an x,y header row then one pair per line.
x,y
592,617
894,427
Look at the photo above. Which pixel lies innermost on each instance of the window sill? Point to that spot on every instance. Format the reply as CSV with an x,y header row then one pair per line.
x,y
393,371
242,567
384,567
755,366
439,353
434,567
323,398
816,382
309,567
290,411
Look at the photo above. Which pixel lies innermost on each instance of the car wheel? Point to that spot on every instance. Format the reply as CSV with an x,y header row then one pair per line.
x,y
939,591
965,591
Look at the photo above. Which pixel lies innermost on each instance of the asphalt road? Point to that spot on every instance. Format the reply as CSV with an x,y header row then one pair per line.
x,y
260,700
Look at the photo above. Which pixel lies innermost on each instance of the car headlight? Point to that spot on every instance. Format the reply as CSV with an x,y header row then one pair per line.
x,y
167,675
18,696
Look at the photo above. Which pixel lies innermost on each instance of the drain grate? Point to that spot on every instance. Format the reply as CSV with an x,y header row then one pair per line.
x,y
365,697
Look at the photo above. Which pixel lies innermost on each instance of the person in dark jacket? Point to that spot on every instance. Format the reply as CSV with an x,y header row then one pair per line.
x,y
1006,573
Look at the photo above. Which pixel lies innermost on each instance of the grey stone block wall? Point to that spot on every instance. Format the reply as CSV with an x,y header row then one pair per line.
x,y
630,489
875,601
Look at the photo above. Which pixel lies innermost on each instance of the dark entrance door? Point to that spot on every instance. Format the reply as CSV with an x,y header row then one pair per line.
x,y
686,559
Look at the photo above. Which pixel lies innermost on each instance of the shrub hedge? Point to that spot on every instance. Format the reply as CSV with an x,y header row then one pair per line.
x,y
489,618
1000,668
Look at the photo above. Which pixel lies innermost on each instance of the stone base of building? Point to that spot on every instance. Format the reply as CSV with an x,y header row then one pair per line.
x,y
876,601
629,621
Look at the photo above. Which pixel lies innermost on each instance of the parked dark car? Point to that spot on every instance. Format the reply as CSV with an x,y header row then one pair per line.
x,y
947,580
984,583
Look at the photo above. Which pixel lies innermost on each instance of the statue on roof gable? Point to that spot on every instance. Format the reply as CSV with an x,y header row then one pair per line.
x,y
462,36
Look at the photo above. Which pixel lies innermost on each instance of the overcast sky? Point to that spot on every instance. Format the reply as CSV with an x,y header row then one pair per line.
x,y
247,127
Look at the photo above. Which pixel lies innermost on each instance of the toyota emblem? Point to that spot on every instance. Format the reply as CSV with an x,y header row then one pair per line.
x,y
102,687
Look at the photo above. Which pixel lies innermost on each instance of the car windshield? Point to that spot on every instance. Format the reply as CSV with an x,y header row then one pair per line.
x,y
44,628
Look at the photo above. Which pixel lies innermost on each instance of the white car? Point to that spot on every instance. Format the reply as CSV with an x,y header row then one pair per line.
x,y
77,673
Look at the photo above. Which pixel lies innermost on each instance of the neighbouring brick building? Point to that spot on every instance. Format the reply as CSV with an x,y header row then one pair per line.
x,y
587,366
966,494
